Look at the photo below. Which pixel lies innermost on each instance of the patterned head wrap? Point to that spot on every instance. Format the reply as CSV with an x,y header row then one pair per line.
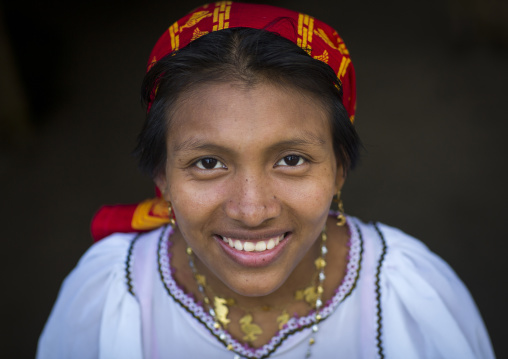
x,y
317,38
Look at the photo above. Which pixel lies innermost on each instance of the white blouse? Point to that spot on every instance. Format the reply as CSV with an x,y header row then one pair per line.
x,y
397,300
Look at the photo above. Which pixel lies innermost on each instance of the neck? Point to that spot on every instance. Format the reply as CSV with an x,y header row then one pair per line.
x,y
268,307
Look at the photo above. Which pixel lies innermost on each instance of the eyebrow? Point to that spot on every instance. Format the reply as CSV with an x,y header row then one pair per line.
x,y
196,144
307,140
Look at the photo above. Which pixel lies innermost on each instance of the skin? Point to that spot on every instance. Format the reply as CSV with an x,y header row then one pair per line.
x,y
253,190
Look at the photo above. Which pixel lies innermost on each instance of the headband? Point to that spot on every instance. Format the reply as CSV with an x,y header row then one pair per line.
x,y
318,39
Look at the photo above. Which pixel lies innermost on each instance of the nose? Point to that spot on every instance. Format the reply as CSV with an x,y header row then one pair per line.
x,y
252,200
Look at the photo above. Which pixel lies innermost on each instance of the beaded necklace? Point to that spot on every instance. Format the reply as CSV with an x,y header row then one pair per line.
x,y
218,310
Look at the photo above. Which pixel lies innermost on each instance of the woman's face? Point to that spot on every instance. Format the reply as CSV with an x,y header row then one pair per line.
x,y
250,173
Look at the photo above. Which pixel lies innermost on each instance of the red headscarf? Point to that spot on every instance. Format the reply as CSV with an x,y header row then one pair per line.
x,y
317,38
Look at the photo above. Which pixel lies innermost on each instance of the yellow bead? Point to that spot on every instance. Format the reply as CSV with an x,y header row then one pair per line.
x,y
318,317
216,325
311,341
320,289
320,263
201,279
230,347
189,250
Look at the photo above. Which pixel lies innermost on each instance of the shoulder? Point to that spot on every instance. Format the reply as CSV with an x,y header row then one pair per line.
x,y
409,261
106,254
400,254
95,301
425,309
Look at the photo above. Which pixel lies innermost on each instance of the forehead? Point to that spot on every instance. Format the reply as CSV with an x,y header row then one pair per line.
x,y
239,114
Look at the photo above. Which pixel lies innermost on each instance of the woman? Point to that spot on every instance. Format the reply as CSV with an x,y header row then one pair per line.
x,y
249,138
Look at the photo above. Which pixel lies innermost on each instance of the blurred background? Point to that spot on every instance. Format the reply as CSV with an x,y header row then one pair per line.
x,y
432,87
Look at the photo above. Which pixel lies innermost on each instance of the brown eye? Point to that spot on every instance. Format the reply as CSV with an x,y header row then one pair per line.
x,y
209,164
291,160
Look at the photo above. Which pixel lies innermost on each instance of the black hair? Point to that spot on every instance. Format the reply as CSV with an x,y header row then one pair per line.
x,y
246,56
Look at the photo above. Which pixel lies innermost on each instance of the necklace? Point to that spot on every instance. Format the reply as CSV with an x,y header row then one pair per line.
x,y
219,310
251,330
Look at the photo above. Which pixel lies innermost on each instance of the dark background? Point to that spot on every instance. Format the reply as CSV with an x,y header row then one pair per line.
x,y
432,79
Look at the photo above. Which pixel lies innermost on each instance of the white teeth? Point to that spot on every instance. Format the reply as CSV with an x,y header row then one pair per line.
x,y
260,246
248,246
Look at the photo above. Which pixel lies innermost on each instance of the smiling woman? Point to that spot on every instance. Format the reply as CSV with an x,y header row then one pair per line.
x,y
249,139
266,181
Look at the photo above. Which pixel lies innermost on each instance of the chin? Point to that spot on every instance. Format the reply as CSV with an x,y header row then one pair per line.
x,y
256,291
256,285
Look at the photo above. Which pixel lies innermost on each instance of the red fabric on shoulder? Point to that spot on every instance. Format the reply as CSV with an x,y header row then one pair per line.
x,y
112,219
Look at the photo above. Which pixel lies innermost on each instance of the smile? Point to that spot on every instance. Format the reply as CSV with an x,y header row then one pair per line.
x,y
254,250
258,246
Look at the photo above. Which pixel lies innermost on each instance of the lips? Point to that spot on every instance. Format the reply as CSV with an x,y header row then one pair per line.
x,y
256,252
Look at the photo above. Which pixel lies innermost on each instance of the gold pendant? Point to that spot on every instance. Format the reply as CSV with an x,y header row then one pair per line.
x,y
283,319
221,311
308,294
200,279
251,330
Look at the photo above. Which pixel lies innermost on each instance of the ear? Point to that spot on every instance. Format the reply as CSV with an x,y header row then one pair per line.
x,y
340,178
162,184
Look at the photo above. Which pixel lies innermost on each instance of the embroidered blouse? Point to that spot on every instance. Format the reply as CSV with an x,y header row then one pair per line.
x,y
397,300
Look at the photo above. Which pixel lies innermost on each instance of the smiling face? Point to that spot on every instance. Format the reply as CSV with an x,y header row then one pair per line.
x,y
250,173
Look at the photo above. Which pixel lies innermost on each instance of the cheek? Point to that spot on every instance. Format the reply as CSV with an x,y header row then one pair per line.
x,y
195,203
313,193
312,200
